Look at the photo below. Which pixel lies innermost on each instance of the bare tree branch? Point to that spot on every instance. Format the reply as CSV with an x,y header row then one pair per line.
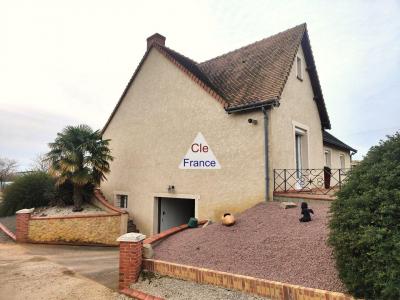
x,y
7,169
40,163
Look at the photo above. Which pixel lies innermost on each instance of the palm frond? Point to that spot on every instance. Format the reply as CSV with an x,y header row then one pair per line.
x,y
80,155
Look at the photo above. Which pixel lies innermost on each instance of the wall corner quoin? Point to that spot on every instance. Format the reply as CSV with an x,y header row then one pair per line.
x,y
130,258
22,229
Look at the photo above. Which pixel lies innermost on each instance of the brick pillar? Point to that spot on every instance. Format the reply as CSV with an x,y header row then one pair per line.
x,y
130,258
23,217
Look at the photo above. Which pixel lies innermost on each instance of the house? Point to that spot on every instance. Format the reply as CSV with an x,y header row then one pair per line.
x,y
202,139
336,153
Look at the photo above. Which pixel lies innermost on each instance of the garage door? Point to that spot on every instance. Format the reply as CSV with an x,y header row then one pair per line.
x,y
174,212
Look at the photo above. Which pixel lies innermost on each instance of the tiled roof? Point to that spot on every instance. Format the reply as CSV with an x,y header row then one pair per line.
x,y
331,140
257,72
249,76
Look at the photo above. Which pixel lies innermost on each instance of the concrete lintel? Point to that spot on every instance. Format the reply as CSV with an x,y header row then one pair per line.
x,y
132,237
25,211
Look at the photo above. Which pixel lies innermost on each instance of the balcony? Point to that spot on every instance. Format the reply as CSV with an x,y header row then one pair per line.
x,y
319,184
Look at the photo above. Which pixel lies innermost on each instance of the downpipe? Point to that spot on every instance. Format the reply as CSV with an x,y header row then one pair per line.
x,y
265,110
266,150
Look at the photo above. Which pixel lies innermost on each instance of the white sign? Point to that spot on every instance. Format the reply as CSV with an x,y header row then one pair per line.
x,y
199,156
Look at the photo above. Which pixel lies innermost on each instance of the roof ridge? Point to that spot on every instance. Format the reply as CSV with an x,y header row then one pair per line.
x,y
304,25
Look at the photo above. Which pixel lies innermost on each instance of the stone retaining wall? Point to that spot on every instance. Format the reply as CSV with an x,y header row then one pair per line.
x,y
89,229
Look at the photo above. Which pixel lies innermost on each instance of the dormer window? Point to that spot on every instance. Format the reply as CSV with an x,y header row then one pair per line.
x,y
299,67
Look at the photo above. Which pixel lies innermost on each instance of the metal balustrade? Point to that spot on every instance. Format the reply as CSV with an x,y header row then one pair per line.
x,y
313,181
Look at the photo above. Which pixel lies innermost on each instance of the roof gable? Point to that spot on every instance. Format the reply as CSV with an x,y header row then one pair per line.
x,y
184,63
250,76
256,72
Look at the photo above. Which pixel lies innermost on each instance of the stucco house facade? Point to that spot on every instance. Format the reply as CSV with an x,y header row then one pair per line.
x,y
258,108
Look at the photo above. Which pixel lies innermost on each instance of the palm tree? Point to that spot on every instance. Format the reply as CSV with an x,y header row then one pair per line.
x,y
80,156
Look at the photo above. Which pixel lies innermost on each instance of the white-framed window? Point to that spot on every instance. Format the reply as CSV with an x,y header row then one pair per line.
x,y
342,162
299,68
301,151
298,144
327,154
121,201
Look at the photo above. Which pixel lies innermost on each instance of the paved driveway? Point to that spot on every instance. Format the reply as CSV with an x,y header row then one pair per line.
x,y
97,263
26,276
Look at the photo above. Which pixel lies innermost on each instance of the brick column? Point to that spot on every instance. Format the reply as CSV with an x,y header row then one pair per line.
x,y
22,231
130,258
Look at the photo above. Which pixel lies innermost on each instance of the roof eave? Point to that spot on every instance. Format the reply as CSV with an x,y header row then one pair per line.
x,y
329,139
253,106
315,83
348,148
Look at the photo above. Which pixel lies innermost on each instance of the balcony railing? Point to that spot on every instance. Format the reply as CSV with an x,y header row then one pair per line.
x,y
314,181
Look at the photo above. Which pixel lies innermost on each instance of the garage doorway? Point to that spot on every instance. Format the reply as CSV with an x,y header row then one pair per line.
x,y
174,212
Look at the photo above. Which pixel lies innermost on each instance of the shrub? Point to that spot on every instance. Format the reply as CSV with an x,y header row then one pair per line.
x,y
38,189
365,224
31,190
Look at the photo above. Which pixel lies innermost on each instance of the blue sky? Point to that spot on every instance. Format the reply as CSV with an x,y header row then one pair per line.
x,y
67,62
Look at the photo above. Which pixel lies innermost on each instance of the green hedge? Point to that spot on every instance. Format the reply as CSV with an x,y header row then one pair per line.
x,y
38,189
365,224
31,190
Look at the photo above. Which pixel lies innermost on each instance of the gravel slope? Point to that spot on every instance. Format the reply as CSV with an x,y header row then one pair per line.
x,y
67,210
266,242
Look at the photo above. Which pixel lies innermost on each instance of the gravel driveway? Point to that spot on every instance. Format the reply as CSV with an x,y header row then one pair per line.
x,y
175,289
266,242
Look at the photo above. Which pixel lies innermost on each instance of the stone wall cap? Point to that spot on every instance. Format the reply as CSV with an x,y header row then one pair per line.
x,y
131,237
25,211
